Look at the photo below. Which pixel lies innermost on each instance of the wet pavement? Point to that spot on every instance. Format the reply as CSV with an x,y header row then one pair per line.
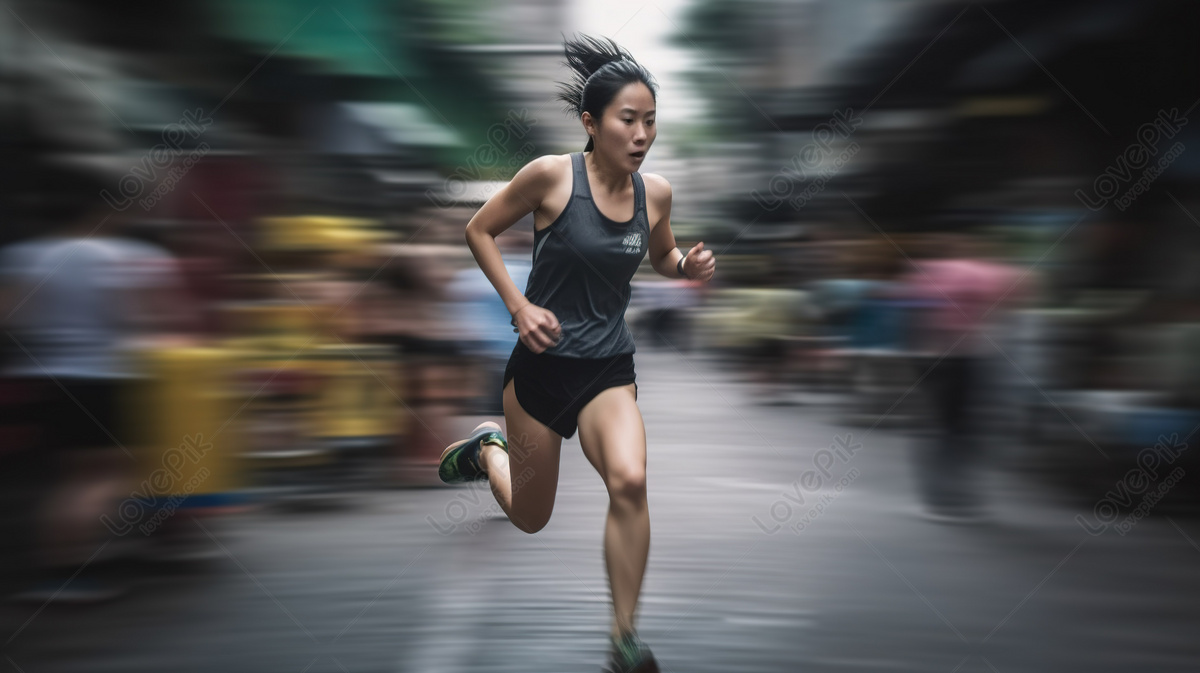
x,y
782,541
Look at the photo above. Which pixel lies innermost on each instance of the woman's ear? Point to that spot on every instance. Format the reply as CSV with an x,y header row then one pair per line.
x,y
589,124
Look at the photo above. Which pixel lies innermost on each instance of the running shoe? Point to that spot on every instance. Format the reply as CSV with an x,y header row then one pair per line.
x,y
630,655
460,461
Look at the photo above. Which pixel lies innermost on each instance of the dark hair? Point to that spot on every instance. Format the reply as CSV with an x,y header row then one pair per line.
x,y
600,68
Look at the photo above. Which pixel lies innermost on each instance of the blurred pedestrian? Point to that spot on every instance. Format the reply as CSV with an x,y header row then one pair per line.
x,y
573,366
960,295
75,301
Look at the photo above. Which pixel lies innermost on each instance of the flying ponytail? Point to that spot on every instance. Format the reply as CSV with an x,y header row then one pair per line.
x,y
599,68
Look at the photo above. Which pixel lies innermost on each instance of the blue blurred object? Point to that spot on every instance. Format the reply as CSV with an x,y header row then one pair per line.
x,y
480,313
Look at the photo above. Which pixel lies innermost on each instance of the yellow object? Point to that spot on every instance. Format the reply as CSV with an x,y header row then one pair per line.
x,y
743,317
279,325
316,232
358,396
185,413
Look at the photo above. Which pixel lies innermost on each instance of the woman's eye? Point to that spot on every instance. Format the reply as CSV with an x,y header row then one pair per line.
x,y
628,121
649,122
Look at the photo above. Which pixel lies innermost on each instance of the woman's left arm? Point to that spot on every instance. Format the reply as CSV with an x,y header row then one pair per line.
x,y
698,263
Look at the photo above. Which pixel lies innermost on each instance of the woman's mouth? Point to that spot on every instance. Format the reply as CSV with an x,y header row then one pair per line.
x,y
638,155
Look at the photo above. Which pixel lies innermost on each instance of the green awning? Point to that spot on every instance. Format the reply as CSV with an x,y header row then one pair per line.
x,y
353,37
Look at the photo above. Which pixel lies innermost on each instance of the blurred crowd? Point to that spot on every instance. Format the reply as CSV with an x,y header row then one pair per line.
x,y
956,336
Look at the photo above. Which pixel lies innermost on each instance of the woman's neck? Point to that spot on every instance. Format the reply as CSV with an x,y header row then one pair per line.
x,y
613,180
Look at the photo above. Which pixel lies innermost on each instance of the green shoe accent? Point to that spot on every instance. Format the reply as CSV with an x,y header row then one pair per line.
x,y
629,654
498,439
460,461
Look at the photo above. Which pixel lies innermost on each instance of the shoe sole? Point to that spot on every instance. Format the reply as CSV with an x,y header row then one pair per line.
x,y
480,431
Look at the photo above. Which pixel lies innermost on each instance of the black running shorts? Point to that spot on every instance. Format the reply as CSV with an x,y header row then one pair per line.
x,y
553,389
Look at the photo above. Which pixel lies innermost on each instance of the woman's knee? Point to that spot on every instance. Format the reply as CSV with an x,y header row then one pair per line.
x,y
627,482
531,513
532,499
530,523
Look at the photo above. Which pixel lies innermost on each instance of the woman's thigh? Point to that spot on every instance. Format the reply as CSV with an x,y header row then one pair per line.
x,y
533,451
613,437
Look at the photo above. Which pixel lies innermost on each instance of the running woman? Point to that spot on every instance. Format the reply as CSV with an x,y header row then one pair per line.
x,y
595,218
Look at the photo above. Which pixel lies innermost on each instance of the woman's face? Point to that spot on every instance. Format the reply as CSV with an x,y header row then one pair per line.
x,y
626,129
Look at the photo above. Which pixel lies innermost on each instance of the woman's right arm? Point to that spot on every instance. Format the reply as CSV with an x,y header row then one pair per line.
x,y
538,328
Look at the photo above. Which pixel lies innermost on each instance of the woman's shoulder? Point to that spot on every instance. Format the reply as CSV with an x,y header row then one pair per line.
x,y
548,164
658,189
545,171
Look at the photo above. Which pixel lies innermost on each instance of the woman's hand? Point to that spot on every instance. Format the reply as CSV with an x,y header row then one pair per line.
x,y
539,328
698,263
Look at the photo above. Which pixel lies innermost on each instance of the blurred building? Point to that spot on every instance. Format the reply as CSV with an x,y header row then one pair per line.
x,y
525,55
358,109
963,100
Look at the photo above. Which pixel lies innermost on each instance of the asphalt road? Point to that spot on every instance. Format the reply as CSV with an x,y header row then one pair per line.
x,y
754,566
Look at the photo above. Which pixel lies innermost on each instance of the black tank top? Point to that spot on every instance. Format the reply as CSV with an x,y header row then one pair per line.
x,y
582,265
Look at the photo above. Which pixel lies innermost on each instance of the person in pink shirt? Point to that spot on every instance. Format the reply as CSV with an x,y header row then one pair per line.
x,y
957,299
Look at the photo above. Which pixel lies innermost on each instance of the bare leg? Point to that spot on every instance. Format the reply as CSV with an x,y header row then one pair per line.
x,y
614,441
525,480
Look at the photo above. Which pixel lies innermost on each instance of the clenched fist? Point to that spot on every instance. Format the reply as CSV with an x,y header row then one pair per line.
x,y
698,263
538,328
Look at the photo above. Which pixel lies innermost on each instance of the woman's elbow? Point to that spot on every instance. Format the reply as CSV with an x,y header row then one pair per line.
x,y
472,232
